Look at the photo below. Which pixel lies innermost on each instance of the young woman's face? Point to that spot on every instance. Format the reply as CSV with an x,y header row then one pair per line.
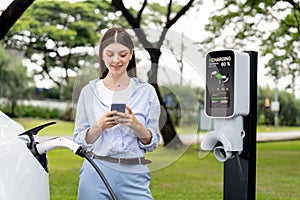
x,y
116,58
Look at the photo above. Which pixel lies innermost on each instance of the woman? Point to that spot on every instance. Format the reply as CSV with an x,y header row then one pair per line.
x,y
118,140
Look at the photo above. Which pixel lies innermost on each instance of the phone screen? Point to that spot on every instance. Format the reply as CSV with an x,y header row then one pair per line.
x,y
120,107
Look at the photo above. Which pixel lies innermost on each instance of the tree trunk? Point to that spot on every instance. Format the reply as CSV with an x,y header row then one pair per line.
x,y
170,138
12,13
13,108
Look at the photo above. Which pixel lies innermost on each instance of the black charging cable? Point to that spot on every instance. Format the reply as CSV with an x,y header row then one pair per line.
x,y
242,178
83,153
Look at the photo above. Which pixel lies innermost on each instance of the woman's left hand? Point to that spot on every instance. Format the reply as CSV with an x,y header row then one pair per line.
x,y
128,119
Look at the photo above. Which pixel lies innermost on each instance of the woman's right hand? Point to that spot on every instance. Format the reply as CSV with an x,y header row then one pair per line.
x,y
106,121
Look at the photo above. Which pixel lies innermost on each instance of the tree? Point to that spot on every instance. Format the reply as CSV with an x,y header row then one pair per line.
x,y
15,84
179,57
154,49
52,35
273,25
289,113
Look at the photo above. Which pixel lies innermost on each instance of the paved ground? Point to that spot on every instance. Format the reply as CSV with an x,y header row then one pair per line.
x,y
196,138
261,137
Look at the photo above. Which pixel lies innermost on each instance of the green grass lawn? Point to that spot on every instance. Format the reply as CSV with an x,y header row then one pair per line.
x,y
61,128
183,174
191,177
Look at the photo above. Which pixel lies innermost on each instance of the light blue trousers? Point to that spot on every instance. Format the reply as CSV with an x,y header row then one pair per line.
x,y
127,181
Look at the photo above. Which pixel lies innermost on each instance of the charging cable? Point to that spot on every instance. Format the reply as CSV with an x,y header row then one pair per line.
x,y
242,178
83,153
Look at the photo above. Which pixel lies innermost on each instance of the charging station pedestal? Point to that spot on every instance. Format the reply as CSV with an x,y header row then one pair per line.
x,y
233,189
231,99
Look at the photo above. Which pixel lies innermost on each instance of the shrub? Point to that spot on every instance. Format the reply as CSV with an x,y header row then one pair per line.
x,y
35,112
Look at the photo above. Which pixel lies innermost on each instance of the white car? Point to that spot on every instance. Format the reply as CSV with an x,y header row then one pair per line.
x,y
21,174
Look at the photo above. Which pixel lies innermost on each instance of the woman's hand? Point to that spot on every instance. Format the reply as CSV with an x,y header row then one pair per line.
x,y
107,120
128,119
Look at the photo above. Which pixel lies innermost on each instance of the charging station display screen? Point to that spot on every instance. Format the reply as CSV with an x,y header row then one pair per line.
x,y
220,83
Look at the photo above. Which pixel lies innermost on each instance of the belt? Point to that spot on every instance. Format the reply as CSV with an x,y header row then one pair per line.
x,y
124,161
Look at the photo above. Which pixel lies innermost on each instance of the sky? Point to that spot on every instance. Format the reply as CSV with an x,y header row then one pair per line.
x,y
192,24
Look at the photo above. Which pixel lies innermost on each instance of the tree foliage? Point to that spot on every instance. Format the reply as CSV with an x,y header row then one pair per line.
x,y
274,25
289,113
52,34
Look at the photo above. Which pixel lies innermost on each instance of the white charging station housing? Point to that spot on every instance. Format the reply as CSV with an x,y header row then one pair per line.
x,y
227,101
227,84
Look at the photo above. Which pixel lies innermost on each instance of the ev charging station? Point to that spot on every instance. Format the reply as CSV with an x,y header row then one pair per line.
x,y
230,99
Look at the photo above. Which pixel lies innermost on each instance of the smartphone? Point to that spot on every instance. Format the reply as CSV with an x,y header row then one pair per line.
x,y
120,107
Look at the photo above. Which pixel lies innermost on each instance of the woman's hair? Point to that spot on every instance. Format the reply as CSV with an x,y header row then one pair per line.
x,y
118,35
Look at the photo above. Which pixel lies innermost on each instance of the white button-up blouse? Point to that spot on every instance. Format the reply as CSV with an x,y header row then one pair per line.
x,y
119,141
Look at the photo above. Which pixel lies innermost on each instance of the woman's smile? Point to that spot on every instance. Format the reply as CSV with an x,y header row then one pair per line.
x,y
117,66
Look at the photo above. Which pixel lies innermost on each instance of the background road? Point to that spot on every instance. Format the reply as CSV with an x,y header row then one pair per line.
x,y
196,138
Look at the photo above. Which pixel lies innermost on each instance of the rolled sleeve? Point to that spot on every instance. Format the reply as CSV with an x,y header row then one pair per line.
x,y
152,124
79,138
153,143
